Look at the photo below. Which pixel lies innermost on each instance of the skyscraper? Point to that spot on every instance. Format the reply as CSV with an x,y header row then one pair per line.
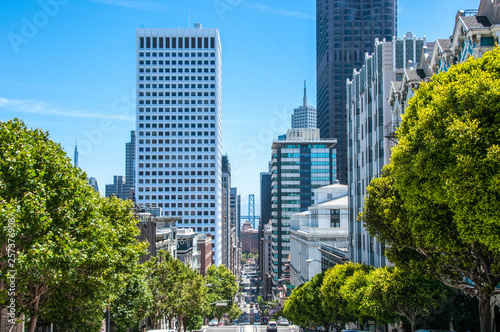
x,y
345,31
304,116
301,162
178,132
129,161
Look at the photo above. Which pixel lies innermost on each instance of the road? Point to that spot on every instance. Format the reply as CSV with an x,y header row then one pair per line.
x,y
249,328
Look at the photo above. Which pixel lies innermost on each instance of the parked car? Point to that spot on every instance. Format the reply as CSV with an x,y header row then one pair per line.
x,y
221,323
272,326
213,322
264,320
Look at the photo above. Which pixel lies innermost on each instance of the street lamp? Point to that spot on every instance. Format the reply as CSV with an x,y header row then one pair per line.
x,y
310,260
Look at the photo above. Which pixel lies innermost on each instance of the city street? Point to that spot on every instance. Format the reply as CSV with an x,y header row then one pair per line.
x,y
249,328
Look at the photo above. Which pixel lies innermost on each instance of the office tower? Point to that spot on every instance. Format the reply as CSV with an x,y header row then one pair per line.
x,y
122,186
178,127
75,158
226,186
129,161
265,198
265,216
345,31
93,184
304,116
235,210
119,187
301,162
371,129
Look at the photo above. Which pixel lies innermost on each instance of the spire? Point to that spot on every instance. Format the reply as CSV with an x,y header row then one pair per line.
x,y
305,94
75,159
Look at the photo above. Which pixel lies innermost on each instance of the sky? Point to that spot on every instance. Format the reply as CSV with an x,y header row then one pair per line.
x,y
68,67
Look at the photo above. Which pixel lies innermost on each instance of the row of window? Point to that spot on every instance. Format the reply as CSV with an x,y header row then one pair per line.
x,y
176,42
167,141
176,101
180,173
176,78
176,86
175,109
174,165
176,70
174,54
176,117
173,133
180,189
160,149
176,125
173,157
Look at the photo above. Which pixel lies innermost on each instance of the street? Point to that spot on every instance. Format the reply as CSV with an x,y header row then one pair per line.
x,y
249,328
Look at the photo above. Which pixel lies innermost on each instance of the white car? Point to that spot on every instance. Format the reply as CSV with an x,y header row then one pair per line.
x,y
213,322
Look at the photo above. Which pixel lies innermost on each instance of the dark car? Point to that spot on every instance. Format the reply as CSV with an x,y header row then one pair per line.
x,y
264,320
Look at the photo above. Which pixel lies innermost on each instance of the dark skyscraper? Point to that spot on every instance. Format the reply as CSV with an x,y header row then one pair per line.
x,y
345,30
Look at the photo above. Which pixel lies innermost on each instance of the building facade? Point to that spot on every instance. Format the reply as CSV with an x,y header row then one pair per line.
x,y
325,222
178,127
249,239
368,149
345,31
304,116
301,162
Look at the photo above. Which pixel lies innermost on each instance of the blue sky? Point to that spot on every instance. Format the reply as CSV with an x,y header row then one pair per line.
x,y
68,67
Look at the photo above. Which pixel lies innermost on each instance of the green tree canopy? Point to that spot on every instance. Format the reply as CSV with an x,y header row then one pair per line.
x,y
73,248
222,286
437,203
333,302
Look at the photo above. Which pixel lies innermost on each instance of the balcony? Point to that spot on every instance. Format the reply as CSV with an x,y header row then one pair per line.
x,y
390,131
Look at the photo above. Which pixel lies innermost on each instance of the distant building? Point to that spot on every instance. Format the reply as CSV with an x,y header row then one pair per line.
x,y
205,250
265,216
187,248
267,261
93,184
249,239
301,162
123,186
325,222
304,116
119,188
159,232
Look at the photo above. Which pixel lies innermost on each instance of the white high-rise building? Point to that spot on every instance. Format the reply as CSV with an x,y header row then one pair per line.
x,y
178,141
304,116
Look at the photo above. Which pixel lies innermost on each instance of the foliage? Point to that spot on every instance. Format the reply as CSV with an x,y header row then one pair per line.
x,y
409,295
333,302
74,248
437,202
132,303
178,291
223,286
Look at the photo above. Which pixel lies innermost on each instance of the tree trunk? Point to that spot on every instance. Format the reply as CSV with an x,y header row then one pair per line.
x,y
412,323
31,327
484,312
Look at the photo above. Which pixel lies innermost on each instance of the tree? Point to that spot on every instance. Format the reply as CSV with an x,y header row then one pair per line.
x,y
222,287
333,301
131,304
409,295
437,203
72,248
304,306
354,291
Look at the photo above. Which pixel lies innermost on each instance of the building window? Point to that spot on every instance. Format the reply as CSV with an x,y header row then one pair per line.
x,y
334,218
